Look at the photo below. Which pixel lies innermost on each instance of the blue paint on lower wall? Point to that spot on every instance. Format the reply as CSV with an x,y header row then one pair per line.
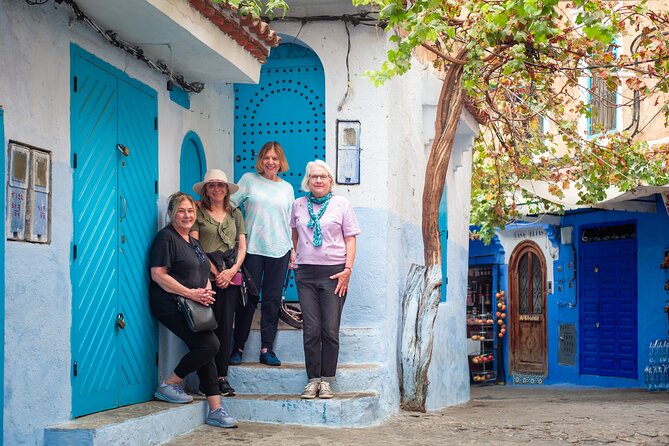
x,y
563,305
2,278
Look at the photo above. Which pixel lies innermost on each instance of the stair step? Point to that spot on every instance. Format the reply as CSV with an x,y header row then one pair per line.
x,y
356,345
150,423
346,409
290,378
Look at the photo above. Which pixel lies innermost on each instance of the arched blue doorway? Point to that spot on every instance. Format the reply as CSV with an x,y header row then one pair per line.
x,y
192,164
288,106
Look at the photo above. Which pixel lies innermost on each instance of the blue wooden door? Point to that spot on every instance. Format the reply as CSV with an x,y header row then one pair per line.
x,y
115,218
288,106
138,190
608,308
192,164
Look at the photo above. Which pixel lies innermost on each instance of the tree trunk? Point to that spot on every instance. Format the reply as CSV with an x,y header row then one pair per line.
x,y
422,294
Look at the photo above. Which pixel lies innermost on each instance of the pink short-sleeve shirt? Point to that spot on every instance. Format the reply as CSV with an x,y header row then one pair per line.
x,y
337,222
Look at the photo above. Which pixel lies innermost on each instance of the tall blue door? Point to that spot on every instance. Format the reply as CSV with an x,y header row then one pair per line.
x,y
287,106
114,157
608,306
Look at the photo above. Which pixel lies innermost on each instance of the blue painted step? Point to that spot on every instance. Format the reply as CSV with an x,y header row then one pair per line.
x,y
254,378
356,346
147,423
350,409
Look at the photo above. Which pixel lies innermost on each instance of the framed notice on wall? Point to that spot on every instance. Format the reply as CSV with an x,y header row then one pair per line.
x,y
348,152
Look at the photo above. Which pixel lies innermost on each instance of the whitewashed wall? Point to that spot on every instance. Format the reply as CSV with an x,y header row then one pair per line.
x,y
35,93
397,122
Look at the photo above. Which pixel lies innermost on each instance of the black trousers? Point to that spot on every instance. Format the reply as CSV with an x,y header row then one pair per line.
x,y
224,310
268,273
203,347
321,313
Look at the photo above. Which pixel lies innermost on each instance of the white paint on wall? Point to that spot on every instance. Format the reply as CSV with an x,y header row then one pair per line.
x,y
35,94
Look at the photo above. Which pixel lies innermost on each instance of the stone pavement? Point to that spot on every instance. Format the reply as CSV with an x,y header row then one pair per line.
x,y
495,415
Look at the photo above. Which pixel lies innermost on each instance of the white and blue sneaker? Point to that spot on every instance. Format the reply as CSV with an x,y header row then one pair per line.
x,y
220,418
172,393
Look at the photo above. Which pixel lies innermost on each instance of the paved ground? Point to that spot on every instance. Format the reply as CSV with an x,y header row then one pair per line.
x,y
495,415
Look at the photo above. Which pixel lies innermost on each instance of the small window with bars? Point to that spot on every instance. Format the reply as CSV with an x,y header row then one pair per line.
x,y
602,107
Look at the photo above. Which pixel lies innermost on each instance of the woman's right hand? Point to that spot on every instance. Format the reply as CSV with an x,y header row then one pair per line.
x,y
202,296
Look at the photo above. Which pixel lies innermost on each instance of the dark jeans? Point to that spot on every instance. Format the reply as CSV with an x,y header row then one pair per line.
x,y
268,273
203,347
321,313
224,310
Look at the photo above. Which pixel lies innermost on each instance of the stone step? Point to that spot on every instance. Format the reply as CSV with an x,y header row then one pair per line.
x,y
289,378
156,422
356,346
149,423
346,409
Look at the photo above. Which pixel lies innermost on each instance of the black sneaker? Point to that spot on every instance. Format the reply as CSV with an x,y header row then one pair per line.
x,y
225,388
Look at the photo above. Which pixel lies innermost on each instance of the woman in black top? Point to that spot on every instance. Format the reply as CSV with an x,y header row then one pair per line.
x,y
180,267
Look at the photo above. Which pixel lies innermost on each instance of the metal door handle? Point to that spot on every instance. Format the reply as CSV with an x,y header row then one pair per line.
x,y
123,149
120,321
124,208
597,324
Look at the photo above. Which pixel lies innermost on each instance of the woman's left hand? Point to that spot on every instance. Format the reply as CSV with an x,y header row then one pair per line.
x,y
223,279
342,282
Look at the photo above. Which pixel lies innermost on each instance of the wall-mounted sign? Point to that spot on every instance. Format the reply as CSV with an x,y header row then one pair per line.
x,y
28,193
529,233
348,152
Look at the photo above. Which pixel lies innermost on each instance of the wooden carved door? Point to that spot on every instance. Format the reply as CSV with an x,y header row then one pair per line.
x,y
527,316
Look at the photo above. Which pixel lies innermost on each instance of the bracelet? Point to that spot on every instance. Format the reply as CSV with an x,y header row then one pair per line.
x,y
348,268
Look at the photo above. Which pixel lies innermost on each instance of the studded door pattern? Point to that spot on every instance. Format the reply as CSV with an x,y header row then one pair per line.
x,y
287,106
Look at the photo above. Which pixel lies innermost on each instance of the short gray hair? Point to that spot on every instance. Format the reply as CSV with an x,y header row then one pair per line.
x,y
310,167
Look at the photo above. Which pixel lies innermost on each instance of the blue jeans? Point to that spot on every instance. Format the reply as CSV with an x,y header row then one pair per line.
x,y
321,313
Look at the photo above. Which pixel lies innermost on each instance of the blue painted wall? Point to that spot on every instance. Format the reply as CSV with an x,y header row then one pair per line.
x,y
562,303
2,276
653,240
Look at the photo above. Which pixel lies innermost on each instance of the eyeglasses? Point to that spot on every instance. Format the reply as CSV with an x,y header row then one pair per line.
x,y
198,252
319,177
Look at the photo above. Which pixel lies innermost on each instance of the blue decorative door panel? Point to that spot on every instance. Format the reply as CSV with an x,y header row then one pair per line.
x,y
95,269
137,174
608,308
287,106
114,156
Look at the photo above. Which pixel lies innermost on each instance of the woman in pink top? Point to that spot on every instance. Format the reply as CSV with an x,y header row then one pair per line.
x,y
324,231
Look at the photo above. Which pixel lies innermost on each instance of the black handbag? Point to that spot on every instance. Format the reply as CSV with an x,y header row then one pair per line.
x,y
198,317
225,260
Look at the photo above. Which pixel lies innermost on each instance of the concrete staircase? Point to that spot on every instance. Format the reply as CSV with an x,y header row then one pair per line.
x,y
264,394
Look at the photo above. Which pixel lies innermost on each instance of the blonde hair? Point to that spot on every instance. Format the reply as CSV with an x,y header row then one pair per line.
x,y
174,201
283,162
310,167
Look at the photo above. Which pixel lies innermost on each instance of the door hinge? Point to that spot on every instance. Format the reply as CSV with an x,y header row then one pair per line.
x,y
156,358
156,186
75,86
74,368
74,252
74,161
155,122
446,281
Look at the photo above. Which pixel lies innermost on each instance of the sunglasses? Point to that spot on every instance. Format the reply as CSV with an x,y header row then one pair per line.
x,y
198,252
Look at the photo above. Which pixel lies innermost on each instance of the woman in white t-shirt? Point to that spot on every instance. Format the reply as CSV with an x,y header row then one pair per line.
x,y
265,200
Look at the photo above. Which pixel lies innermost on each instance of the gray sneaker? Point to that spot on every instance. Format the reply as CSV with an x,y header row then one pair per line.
x,y
310,390
220,418
172,393
324,390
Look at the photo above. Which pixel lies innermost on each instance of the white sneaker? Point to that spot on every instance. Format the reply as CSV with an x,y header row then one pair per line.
x,y
325,391
310,390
